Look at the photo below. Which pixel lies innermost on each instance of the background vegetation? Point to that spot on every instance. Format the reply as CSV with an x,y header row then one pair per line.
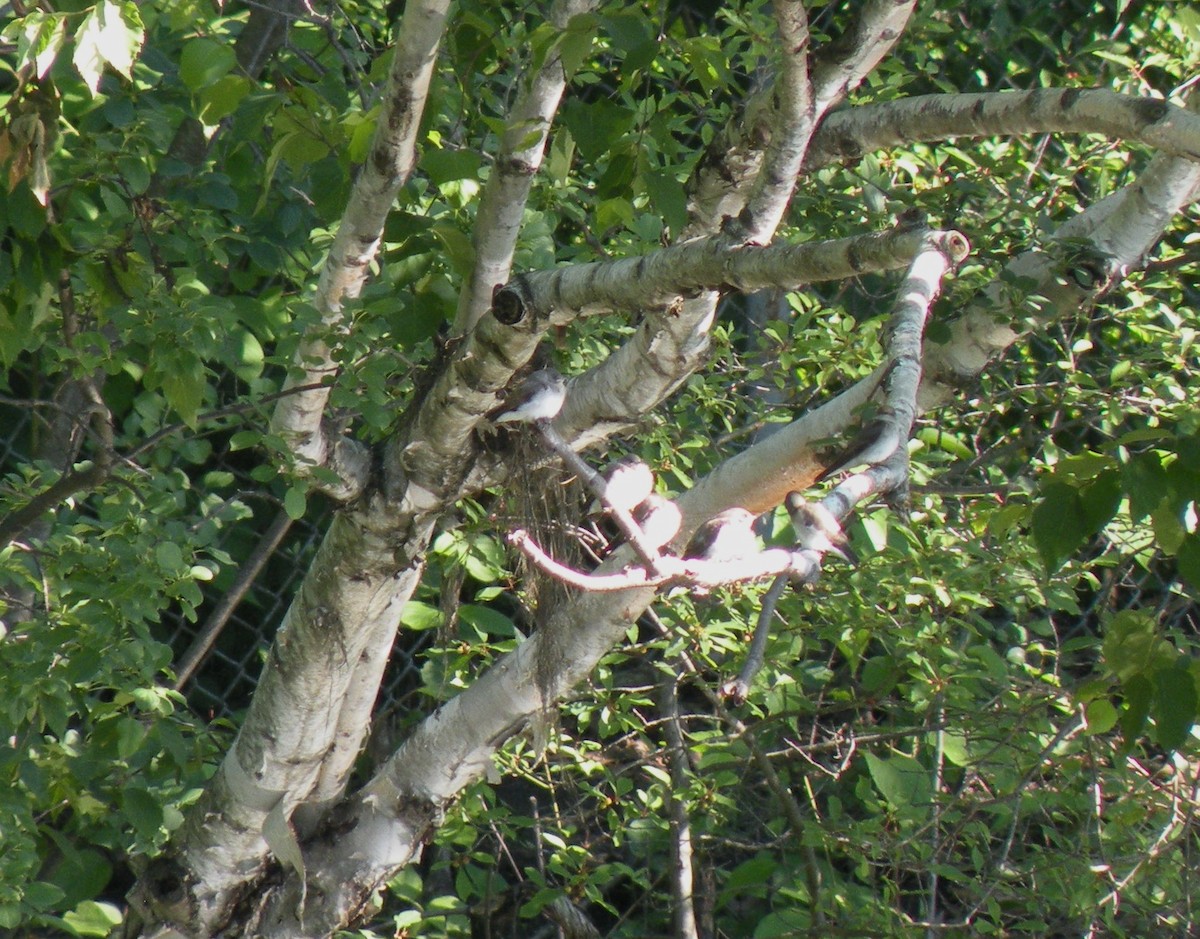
x,y
989,722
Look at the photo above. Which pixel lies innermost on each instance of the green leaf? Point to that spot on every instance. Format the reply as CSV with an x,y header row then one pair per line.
x,y
1100,500
111,34
1145,481
575,43
130,735
203,62
901,780
459,249
419,615
596,126
443,166
879,675
93,919
1174,707
221,98
783,923
1099,716
668,198
42,896
169,556
1132,646
1138,693
184,389
244,439
488,623
753,875
1059,524
957,748
40,37
295,503
82,874
143,811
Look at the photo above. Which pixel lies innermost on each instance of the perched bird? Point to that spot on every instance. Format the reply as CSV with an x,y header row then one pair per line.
x,y
658,518
726,536
817,529
878,440
627,482
538,398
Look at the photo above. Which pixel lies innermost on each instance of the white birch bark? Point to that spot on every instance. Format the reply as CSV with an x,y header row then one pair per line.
x,y
1121,229
340,626
665,350
389,163
502,204
848,134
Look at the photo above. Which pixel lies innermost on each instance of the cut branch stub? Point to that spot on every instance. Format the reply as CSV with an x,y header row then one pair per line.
x,y
510,305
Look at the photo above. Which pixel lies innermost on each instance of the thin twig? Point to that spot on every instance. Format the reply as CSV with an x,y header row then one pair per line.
x,y
633,533
738,689
683,873
697,573
791,808
217,619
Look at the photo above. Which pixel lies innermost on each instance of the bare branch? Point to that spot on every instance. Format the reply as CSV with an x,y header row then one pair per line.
x,y
502,203
738,689
1121,231
837,69
390,161
847,135
683,878
657,280
705,575
217,619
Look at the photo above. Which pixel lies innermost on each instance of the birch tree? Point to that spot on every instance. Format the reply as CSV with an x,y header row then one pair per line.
x,y
472,194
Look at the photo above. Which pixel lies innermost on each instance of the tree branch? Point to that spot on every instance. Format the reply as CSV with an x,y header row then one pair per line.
x,y
849,134
659,279
1120,231
389,163
502,204
772,562
246,575
683,878
838,68
793,120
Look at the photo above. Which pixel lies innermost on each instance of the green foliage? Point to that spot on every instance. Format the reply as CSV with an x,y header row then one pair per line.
x,y
989,723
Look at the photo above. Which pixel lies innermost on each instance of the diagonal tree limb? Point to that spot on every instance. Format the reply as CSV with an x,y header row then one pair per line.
x,y
247,573
1120,231
390,161
792,125
847,135
502,203
838,68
